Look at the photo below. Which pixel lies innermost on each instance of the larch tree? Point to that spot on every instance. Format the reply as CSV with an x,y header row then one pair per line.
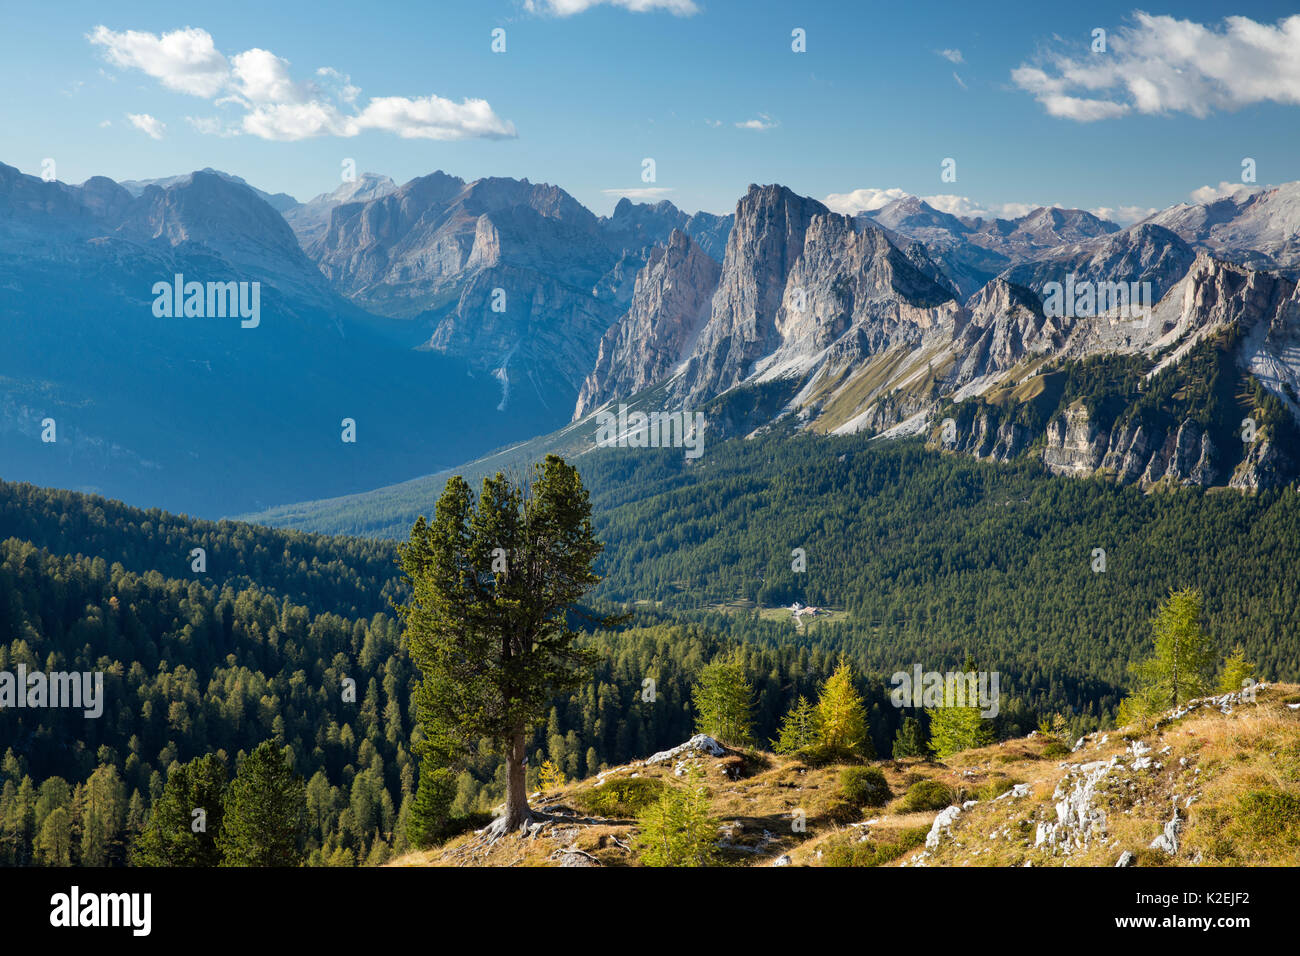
x,y
1182,666
841,715
799,728
724,700
494,589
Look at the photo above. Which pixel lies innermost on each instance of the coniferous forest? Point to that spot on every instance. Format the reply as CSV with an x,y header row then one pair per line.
x,y
293,639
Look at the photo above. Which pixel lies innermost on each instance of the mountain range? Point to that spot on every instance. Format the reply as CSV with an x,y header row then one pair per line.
x,y
448,317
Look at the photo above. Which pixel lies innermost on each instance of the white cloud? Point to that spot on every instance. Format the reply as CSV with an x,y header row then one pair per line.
x,y
106,124
339,83
1014,210
433,117
147,125
861,200
262,77
960,81
1161,64
567,8
869,200
763,122
1123,215
641,193
952,56
275,106
183,60
956,205
1208,194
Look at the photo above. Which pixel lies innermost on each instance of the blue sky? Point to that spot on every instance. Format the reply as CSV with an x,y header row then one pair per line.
x,y
710,90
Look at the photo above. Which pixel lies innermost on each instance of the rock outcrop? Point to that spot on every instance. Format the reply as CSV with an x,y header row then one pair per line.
x,y
669,307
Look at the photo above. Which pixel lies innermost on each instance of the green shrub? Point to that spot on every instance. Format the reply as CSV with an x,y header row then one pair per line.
x,y
839,810
926,795
864,787
1268,814
993,788
870,853
624,797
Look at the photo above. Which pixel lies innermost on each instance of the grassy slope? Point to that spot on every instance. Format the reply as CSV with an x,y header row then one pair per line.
x,y
1236,779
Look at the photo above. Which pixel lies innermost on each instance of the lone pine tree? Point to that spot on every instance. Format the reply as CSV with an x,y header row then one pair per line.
x,y
488,621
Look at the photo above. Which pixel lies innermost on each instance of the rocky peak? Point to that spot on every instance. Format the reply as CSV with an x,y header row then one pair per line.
x,y
765,241
669,306
1004,324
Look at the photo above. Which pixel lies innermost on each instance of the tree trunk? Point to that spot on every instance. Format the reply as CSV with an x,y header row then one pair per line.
x,y
517,813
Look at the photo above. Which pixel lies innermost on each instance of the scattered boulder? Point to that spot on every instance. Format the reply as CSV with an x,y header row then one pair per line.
x,y
700,744
1078,819
942,825
1168,840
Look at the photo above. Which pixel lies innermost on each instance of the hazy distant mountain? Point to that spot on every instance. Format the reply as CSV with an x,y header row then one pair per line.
x,y
1260,229
504,308
280,202
518,279
200,413
1141,253
971,251
639,225
309,220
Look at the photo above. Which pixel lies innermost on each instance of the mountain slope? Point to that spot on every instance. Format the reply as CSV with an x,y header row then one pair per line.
x,y
1215,783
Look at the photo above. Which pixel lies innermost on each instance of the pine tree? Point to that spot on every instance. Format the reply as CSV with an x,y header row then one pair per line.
x,y
175,835
1236,671
841,716
493,591
799,729
724,700
679,829
265,818
908,742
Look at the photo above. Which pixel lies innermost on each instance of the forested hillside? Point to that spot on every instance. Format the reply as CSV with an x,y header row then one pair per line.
x,y
931,556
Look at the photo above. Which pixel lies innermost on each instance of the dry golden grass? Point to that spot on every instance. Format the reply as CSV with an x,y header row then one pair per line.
x,y
1241,773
